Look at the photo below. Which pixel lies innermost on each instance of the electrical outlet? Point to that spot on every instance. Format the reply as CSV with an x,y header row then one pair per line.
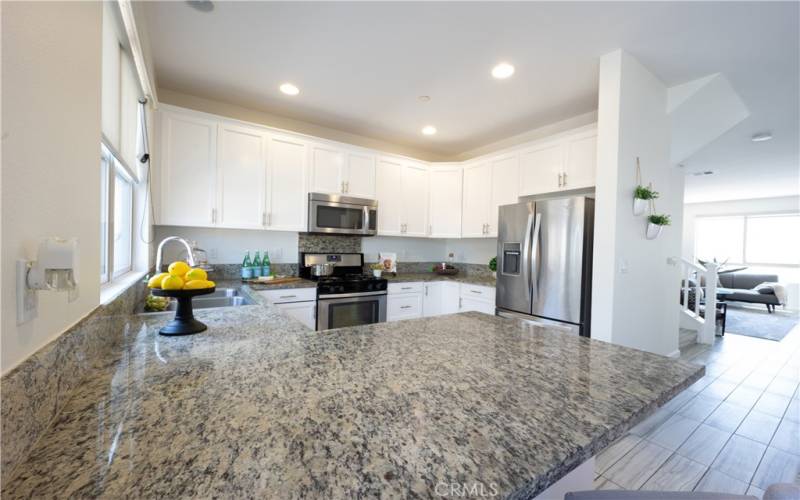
x,y
213,254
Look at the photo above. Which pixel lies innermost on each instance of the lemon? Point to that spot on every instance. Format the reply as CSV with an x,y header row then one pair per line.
x,y
197,285
171,283
211,284
155,281
178,268
196,274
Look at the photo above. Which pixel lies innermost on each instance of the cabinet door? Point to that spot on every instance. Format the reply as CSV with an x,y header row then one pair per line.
x,y
188,170
305,312
360,180
445,202
581,161
432,299
505,187
389,175
287,205
241,170
540,167
468,304
415,200
327,166
450,297
477,195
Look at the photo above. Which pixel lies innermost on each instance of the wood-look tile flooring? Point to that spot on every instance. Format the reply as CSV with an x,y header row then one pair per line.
x,y
736,430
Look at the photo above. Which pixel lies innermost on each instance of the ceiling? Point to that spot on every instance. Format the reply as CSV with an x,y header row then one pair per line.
x,y
361,66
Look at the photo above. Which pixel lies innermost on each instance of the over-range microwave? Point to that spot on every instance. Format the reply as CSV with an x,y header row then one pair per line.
x,y
335,214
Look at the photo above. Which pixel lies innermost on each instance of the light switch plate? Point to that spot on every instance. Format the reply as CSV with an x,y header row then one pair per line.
x,y
27,299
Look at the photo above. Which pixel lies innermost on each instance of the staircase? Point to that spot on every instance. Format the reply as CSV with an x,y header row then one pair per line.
x,y
702,281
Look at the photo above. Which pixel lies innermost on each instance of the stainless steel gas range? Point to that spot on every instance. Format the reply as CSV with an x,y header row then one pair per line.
x,y
345,295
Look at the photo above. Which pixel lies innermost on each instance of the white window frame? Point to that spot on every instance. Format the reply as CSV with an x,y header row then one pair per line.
x,y
745,217
111,166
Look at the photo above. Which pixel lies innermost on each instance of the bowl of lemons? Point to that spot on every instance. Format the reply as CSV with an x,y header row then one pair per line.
x,y
181,282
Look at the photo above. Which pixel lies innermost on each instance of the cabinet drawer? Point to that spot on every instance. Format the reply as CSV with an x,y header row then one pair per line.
x,y
415,287
404,306
289,295
485,293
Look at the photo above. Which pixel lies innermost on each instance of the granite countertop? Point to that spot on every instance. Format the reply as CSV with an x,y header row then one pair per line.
x,y
303,283
260,406
485,280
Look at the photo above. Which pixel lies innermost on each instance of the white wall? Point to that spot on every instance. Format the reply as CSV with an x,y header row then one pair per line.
x,y
788,276
473,250
51,53
634,289
228,246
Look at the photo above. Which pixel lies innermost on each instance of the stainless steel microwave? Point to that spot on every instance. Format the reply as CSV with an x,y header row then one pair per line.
x,y
334,214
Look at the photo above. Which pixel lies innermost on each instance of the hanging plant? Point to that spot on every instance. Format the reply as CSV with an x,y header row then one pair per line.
x,y
642,195
655,223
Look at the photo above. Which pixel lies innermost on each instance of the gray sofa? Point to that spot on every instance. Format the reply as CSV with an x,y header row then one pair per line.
x,y
741,287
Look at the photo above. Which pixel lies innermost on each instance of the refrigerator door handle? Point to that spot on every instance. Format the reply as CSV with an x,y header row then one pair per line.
x,y
526,251
534,280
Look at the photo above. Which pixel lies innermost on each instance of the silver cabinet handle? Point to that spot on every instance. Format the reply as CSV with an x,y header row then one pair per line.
x,y
405,288
269,218
430,229
342,188
476,291
426,290
314,312
213,215
559,180
263,218
459,302
347,187
405,307
288,296
565,179
488,228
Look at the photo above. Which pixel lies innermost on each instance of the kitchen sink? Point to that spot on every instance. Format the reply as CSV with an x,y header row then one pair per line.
x,y
222,297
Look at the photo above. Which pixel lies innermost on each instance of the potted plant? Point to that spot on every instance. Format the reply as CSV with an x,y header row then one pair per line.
x,y
641,197
655,223
493,266
377,269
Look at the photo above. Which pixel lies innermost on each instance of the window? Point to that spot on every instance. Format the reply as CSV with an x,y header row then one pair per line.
x,y
754,240
118,164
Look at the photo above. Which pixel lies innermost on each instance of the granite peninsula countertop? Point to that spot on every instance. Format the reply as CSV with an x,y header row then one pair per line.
x,y
303,283
259,406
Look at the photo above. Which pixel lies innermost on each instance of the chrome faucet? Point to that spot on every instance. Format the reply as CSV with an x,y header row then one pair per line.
x,y
189,253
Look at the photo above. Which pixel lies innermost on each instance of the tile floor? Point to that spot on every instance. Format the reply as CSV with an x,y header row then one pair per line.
x,y
736,430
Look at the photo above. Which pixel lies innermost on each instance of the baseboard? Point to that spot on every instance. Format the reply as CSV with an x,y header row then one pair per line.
x,y
674,354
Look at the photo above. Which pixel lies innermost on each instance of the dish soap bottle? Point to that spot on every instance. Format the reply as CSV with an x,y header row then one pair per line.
x,y
257,265
265,265
247,268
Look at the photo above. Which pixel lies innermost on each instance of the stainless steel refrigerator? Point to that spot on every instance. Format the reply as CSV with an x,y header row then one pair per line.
x,y
544,262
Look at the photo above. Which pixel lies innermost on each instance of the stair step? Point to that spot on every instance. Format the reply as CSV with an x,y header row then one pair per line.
x,y
687,338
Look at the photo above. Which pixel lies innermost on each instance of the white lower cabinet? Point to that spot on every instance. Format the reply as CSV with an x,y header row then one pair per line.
x,y
432,298
404,306
476,298
299,303
305,312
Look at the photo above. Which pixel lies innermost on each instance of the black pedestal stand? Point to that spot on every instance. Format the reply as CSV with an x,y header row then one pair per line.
x,y
184,322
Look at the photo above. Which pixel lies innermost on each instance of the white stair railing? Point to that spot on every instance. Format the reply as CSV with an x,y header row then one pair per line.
x,y
703,279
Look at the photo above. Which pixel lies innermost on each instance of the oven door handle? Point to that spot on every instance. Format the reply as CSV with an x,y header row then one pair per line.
x,y
350,295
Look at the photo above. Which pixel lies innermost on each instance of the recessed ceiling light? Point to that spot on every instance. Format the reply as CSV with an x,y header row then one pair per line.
x,y
502,71
289,89
424,98
762,137
201,5
428,130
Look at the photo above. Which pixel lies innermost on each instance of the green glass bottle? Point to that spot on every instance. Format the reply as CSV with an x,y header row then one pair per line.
x,y
247,268
257,265
266,268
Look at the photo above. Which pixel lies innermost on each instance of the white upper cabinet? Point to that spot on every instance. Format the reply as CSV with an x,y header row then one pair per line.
x,y
445,204
360,178
241,171
337,171
505,188
581,160
540,167
415,200
477,198
389,177
327,170
188,170
287,203
568,162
